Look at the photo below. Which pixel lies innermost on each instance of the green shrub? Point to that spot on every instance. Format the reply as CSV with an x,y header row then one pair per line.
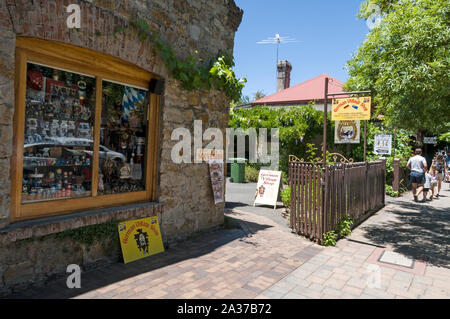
x,y
286,196
390,191
344,227
329,238
251,174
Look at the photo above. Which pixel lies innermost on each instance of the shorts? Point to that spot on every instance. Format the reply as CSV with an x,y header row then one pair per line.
x,y
417,178
426,190
440,176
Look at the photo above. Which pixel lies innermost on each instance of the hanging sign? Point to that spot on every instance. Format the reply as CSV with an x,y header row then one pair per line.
x,y
429,140
353,108
347,132
383,144
140,238
217,180
267,188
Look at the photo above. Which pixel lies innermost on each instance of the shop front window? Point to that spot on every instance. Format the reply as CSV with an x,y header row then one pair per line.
x,y
123,134
85,131
58,145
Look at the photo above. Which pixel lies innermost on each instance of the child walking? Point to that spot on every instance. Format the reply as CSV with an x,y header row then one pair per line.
x,y
434,179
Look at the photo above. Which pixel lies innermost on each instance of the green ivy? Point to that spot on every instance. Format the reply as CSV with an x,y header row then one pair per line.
x,y
296,126
190,71
90,234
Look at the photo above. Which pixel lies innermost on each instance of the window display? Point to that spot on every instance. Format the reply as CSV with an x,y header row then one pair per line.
x,y
123,130
85,131
58,145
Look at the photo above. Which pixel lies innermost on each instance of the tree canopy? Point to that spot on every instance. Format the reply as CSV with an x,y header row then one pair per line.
x,y
405,61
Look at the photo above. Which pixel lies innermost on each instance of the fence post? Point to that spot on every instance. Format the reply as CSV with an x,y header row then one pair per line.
x,y
396,181
383,159
324,201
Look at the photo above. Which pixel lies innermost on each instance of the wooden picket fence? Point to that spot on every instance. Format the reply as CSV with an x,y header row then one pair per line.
x,y
322,196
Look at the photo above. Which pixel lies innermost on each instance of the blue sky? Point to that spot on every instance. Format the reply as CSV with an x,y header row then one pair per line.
x,y
329,29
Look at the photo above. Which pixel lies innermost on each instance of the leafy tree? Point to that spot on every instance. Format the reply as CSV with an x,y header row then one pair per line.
x,y
296,125
405,61
258,95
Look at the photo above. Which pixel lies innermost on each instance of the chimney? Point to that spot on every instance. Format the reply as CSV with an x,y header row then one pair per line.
x,y
284,75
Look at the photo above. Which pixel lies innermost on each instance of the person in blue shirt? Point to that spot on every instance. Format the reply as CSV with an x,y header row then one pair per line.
x,y
447,166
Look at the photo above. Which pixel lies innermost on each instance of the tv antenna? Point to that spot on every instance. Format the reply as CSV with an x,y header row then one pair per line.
x,y
278,40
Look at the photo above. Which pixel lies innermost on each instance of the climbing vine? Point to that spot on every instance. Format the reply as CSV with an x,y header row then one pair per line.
x,y
190,71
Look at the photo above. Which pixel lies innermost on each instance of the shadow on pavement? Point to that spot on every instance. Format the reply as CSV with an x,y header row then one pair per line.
x,y
421,232
196,246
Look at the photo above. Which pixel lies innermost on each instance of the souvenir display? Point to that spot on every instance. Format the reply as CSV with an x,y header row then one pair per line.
x,y
123,132
58,134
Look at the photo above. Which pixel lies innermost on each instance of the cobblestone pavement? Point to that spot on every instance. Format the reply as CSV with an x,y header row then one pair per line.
x,y
262,259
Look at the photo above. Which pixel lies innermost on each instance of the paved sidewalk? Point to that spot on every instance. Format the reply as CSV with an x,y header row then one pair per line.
x,y
263,259
230,263
417,231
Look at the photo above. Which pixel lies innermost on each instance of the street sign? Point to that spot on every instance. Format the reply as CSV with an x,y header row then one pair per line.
x,y
429,140
383,144
267,188
140,238
354,108
347,132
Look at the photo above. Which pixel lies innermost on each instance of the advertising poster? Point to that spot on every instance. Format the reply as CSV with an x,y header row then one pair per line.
x,y
217,181
347,132
351,109
383,144
140,238
267,188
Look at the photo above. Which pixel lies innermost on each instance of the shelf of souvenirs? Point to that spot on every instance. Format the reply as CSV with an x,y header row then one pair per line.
x,y
37,197
40,162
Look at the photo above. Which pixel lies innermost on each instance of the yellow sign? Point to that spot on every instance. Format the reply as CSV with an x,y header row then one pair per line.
x,y
140,238
352,108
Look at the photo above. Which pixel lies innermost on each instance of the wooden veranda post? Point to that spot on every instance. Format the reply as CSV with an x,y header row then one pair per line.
x,y
325,114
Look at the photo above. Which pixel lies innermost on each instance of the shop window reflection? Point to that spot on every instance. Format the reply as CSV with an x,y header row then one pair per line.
x,y
58,146
123,139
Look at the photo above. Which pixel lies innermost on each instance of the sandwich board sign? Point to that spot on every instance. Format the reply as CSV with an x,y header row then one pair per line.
x,y
140,238
267,188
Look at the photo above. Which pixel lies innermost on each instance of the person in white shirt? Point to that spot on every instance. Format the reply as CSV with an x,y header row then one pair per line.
x,y
418,165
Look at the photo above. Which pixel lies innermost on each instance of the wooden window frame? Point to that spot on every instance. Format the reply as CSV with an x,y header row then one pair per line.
x,y
102,67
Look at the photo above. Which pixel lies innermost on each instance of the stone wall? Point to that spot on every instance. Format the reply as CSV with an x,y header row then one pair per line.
x,y
205,26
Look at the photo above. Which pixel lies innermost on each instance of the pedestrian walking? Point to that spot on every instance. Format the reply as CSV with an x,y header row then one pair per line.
x,y
447,167
418,165
440,169
427,186
433,179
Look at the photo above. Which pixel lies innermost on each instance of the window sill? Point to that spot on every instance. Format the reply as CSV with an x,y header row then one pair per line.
x,y
50,225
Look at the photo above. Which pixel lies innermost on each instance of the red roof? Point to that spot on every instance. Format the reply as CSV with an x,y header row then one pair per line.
x,y
310,90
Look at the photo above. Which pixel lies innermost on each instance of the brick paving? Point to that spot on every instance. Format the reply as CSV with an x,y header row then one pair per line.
x,y
262,259
417,231
230,263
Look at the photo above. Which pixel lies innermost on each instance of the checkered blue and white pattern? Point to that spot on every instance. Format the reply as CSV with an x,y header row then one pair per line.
x,y
131,96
